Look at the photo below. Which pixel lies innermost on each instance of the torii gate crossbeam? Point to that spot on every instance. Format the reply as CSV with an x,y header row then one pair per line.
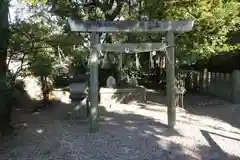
x,y
130,47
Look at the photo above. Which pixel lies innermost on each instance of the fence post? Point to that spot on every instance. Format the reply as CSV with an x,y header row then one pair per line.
x,y
222,87
188,81
211,84
236,86
201,75
209,76
228,82
203,80
216,84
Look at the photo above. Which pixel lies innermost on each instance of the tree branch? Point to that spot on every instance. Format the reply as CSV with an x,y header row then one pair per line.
x,y
10,56
111,16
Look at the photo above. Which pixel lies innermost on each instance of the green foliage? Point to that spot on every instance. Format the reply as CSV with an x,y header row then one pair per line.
x,y
34,2
15,89
213,21
41,65
79,63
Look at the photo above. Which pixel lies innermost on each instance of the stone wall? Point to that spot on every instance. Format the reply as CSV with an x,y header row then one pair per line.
x,y
111,96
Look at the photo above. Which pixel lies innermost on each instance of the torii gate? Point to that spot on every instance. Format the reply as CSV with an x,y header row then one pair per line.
x,y
96,27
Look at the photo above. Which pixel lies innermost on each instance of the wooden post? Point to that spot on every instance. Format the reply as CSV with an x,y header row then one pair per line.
x,y
93,89
171,110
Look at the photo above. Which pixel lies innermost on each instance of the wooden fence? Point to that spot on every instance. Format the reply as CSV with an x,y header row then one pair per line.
x,y
222,85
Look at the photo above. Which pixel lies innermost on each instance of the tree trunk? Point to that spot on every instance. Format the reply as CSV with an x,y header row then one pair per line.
x,y
45,90
4,35
5,109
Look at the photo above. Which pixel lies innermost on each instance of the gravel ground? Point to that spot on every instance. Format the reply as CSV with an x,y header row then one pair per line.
x,y
128,132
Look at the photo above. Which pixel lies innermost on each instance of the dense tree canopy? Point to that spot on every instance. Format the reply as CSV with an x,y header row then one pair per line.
x,y
214,19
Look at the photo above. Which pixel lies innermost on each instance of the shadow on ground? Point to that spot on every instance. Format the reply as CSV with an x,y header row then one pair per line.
x,y
58,133
216,149
203,106
228,113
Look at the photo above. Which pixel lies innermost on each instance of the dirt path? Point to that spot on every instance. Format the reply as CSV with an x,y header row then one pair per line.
x,y
127,132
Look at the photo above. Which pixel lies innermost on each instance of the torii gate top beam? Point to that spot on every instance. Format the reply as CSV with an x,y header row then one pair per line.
x,y
130,47
130,26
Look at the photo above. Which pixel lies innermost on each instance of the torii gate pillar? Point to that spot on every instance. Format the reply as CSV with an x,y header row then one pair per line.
x,y
170,58
94,87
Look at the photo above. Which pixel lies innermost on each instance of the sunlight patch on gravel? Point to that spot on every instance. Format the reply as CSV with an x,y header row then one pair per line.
x,y
190,126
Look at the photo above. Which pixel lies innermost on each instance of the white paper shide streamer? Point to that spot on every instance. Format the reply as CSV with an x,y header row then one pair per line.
x,y
137,61
105,61
151,61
